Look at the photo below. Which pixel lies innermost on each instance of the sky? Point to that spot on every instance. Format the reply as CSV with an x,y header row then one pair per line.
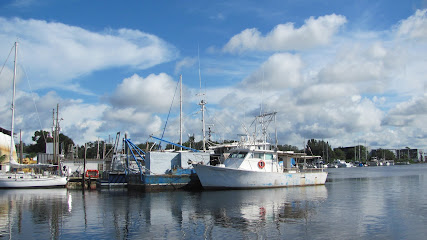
x,y
346,72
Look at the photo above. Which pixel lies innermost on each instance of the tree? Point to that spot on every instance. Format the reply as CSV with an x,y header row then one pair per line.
x,y
65,141
41,138
384,153
287,147
2,158
319,148
339,154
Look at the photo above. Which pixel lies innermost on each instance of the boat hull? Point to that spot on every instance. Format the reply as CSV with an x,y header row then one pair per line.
x,y
213,177
12,181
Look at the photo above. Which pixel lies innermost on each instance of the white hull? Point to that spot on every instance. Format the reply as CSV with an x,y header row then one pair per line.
x,y
31,181
213,177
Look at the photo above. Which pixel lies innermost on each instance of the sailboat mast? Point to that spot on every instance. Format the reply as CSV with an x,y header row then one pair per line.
x,y
13,104
202,103
180,110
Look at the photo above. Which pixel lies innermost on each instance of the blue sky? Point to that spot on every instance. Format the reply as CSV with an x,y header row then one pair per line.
x,y
344,71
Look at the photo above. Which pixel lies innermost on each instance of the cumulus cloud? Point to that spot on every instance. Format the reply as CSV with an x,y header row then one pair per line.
x,y
321,93
409,113
414,27
415,106
281,70
314,32
138,123
153,93
361,64
60,53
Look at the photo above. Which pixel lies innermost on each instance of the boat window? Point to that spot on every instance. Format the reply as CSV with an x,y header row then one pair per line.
x,y
238,155
259,155
268,156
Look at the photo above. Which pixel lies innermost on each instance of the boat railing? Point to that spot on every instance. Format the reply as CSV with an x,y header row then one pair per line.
x,y
295,170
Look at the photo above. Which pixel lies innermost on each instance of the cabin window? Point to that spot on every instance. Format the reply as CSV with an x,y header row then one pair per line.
x,y
268,156
238,155
259,155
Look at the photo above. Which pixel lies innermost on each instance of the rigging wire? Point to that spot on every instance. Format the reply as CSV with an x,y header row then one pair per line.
x,y
170,108
34,101
6,59
31,91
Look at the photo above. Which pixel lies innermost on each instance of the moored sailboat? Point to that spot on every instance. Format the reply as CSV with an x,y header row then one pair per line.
x,y
9,179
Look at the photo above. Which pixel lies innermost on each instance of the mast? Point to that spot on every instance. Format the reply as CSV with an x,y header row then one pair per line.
x,y
13,104
53,135
202,104
180,111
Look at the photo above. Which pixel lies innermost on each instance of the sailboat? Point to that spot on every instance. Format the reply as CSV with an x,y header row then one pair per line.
x,y
21,179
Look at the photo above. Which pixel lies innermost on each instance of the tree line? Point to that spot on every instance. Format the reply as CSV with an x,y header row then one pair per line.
x,y
313,147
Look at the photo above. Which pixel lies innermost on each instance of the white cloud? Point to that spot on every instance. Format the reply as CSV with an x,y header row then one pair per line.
x,y
415,106
414,27
58,53
314,32
412,113
153,93
371,67
281,70
321,93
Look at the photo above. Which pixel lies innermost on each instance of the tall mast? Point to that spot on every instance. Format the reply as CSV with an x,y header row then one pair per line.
x,y
53,135
13,104
202,104
57,134
180,111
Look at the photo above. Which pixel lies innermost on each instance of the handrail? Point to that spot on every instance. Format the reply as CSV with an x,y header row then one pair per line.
x,y
304,170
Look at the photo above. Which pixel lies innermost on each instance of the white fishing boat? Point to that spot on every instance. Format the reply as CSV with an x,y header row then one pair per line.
x,y
257,166
10,179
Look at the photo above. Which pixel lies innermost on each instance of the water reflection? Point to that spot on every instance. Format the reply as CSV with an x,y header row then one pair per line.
x,y
380,203
126,215
31,210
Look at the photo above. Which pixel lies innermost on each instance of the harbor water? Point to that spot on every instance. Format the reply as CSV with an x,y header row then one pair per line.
x,y
355,203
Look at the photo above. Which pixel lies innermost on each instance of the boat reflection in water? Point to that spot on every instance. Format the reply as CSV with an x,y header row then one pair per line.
x,y
215,214
120,214
32,211
253,209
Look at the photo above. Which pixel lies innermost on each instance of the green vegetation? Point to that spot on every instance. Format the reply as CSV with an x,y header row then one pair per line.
x,y
313,147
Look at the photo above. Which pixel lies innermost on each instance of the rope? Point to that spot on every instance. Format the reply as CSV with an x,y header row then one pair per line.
x,y
6,59
170,108
35,105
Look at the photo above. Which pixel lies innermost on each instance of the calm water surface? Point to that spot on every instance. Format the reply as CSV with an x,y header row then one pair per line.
x,y
355,203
